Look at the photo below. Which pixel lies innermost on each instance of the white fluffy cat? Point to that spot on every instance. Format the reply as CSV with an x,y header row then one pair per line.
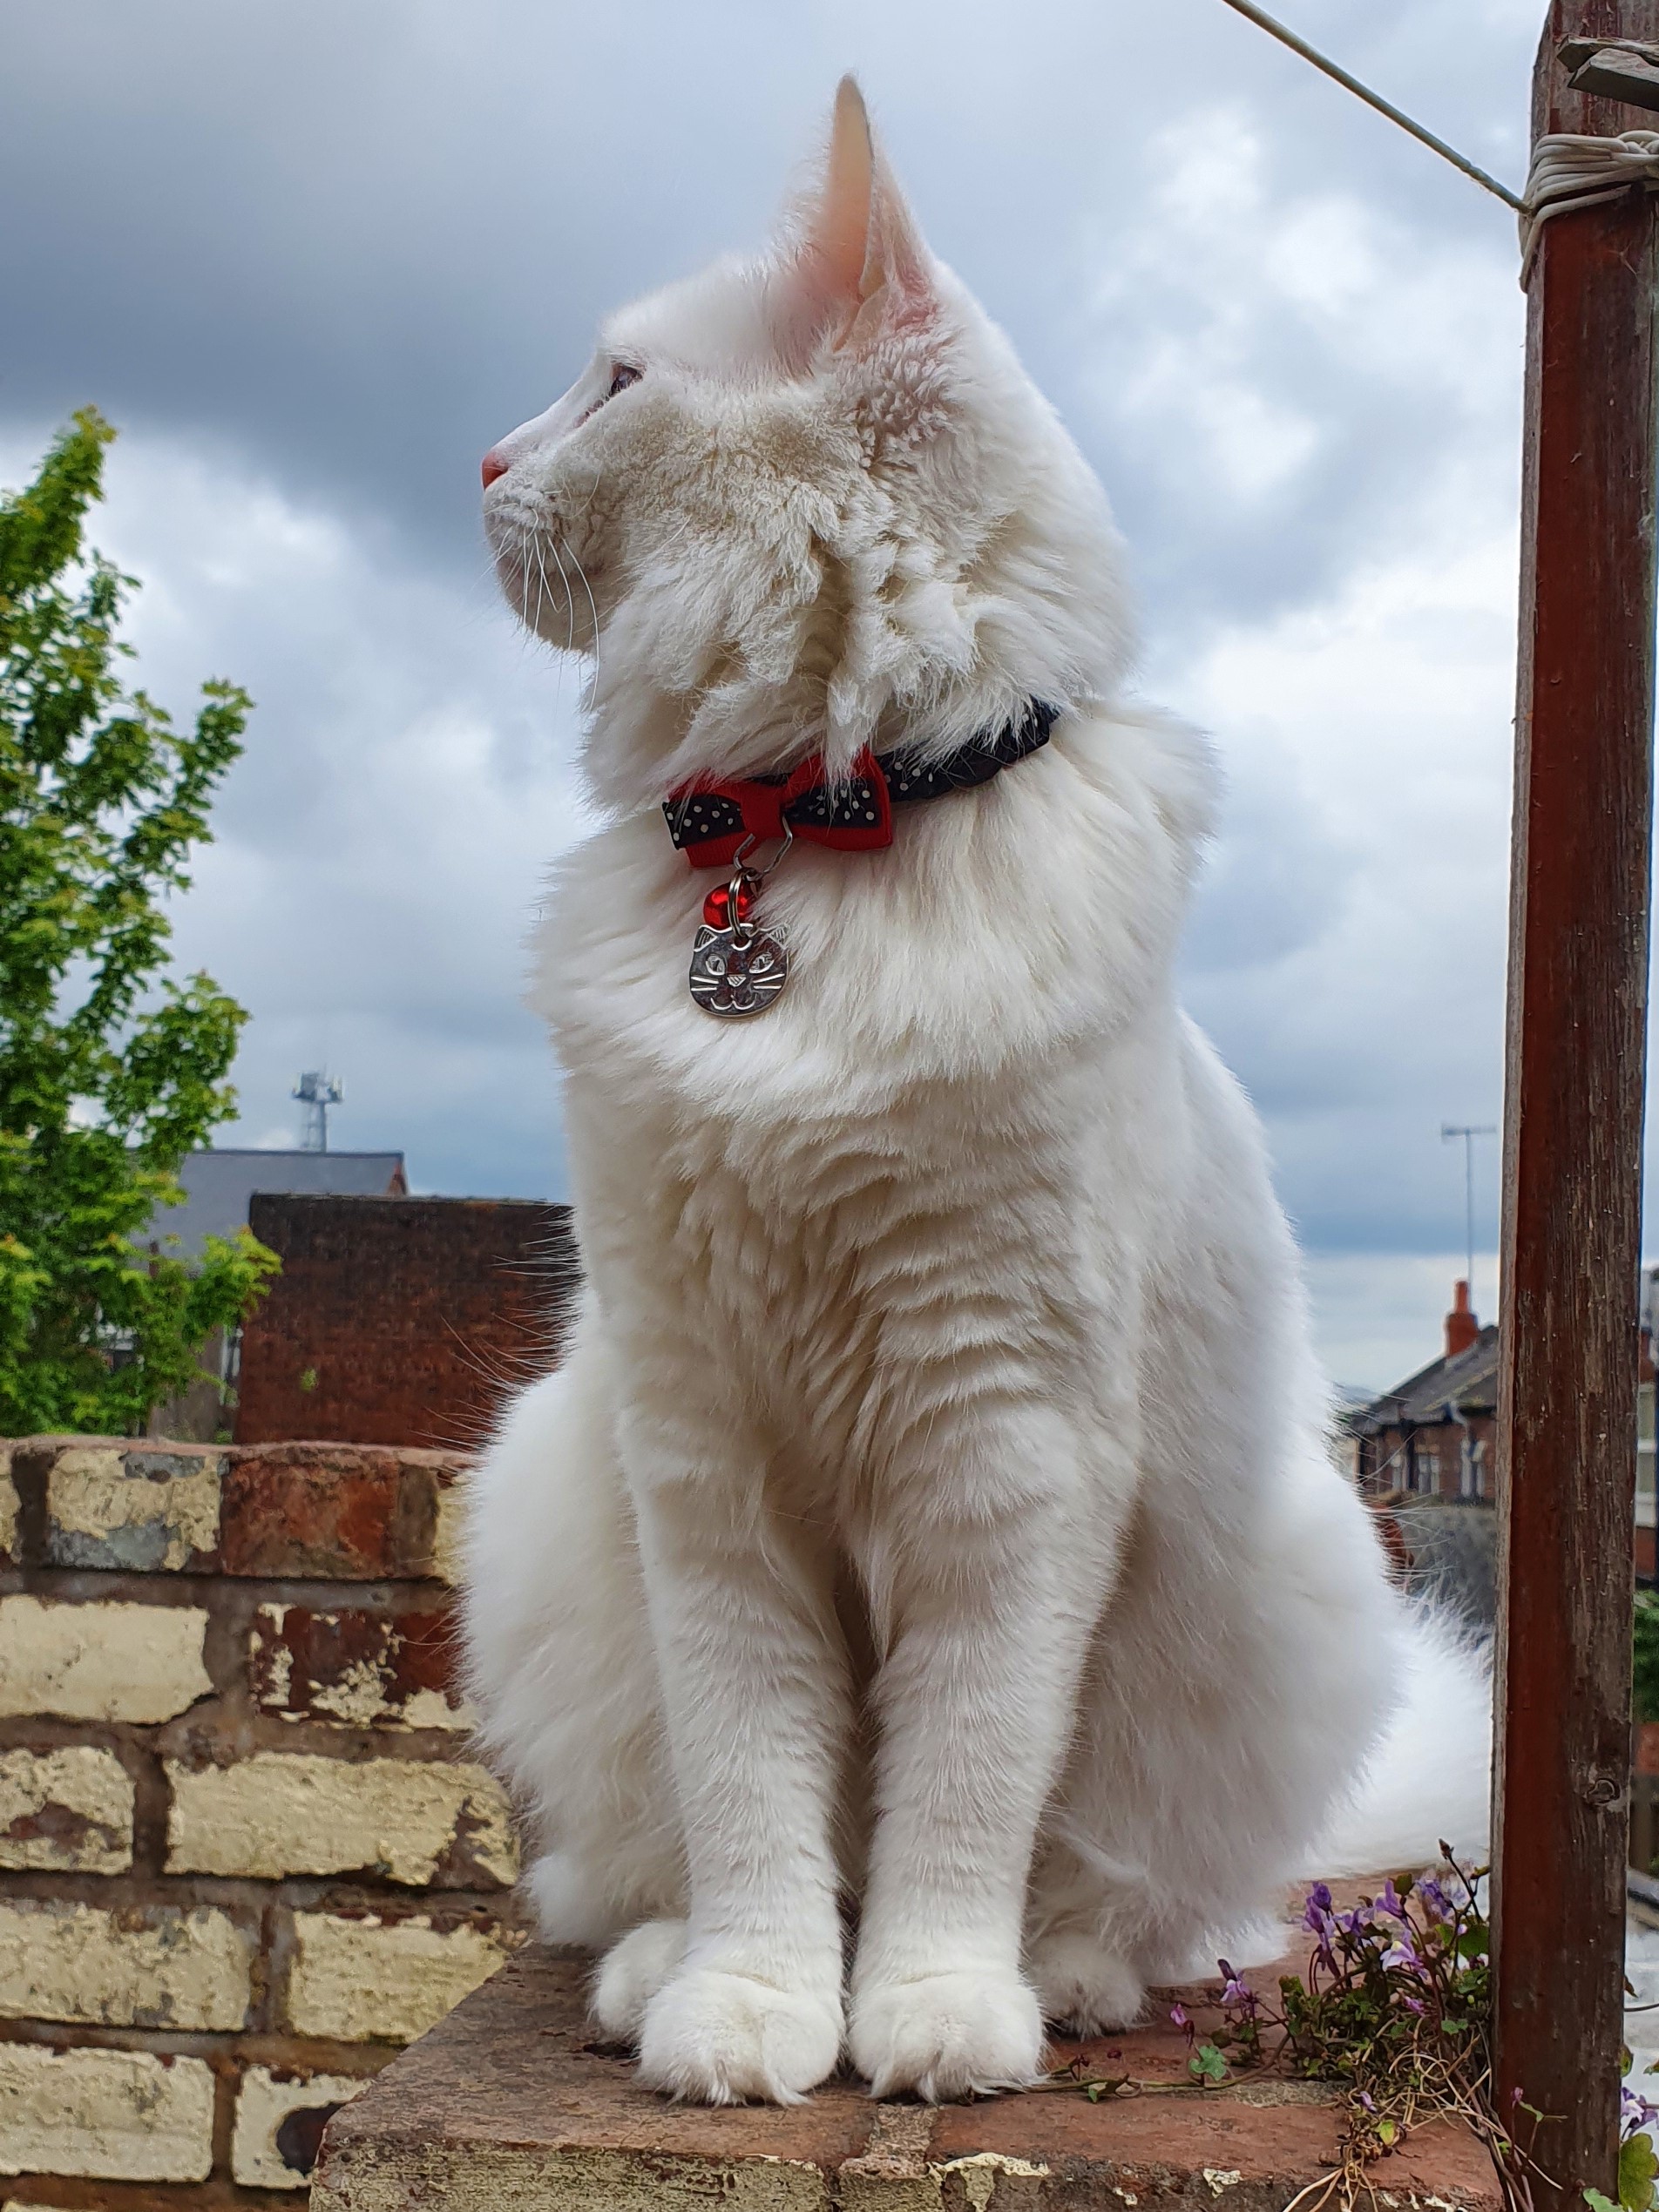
x,y
933,1513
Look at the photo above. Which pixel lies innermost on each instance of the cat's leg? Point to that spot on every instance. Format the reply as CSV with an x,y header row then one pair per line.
x,y
997,1565
1082,1958
756,1697
559,1661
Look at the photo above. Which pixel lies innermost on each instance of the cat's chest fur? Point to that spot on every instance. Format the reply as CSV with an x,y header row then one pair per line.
x,y
945,1142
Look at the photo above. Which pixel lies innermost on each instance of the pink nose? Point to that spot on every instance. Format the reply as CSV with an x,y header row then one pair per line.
x,y
494,466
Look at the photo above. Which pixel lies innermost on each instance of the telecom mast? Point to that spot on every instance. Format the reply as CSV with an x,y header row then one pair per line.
x,y
317,1092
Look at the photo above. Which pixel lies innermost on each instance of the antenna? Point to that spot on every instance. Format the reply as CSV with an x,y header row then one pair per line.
x,y
317,1092
1450,1131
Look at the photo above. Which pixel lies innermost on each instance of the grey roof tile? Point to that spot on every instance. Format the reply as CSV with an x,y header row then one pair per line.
x,y
219,1185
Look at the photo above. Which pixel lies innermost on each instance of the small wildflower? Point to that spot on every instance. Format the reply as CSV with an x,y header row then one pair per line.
x,y
1436,1903
1179,2014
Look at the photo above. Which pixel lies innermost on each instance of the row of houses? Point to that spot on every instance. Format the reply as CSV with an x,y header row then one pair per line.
x,y
1434,1437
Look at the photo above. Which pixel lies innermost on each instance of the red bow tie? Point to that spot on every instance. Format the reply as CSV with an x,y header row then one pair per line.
x,y
711,822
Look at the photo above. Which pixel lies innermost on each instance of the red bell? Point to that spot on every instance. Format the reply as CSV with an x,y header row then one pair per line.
x,y
717,907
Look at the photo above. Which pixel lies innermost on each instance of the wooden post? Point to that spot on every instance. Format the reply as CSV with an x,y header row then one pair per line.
x,y
1578,968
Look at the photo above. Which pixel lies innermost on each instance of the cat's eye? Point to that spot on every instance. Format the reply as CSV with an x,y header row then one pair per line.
x,y
623,377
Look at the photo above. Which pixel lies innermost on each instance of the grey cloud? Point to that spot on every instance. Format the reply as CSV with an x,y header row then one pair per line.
x,y
316,259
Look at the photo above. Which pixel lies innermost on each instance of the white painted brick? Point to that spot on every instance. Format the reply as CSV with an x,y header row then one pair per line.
x,y
8,1508
66,1811
101,1661
279,2120
290,1813
112,2115
136,1507
449,1541
389,1981
139,1966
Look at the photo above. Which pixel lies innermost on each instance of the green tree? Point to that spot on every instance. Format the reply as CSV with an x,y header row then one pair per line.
x,y
1646,1656
110,1068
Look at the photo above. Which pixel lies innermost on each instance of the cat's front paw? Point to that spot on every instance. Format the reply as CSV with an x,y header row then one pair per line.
x,y
633,1971
948,2035
723,2038
1084,1985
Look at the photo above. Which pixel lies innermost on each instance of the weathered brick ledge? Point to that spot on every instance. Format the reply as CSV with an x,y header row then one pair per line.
x,y
245,1853
508,2102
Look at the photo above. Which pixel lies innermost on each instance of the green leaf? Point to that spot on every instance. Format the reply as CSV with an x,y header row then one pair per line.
x,y
1207,2064
1387,2134
1638,2165
1597,2203
1107,2087
112,1067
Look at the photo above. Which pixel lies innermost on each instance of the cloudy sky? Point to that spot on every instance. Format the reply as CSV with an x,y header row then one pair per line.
x,y
313,259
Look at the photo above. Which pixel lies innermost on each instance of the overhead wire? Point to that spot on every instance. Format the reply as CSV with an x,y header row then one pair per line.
x,y
1339,75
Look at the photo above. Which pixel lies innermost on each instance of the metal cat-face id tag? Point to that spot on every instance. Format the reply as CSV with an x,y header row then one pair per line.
x,y
736,969
737,972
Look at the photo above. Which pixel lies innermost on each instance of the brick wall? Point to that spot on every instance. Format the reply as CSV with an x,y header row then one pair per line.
x,y
400,1319
244,1854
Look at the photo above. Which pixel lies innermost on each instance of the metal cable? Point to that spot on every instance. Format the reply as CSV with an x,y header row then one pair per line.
x,y
1340,76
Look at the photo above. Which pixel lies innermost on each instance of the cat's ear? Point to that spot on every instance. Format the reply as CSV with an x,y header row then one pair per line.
x,y
857,267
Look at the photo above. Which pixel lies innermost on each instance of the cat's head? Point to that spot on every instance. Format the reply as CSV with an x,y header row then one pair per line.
x,y
806,502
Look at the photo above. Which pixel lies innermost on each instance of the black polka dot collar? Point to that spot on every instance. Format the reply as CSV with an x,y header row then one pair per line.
x,y
712,823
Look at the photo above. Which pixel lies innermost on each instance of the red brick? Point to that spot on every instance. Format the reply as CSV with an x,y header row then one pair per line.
x,y
510,2100
344,1512
357,1665
400,1321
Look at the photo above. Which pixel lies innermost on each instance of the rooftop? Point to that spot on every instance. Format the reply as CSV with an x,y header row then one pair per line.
x,y
1468,1380
218,1186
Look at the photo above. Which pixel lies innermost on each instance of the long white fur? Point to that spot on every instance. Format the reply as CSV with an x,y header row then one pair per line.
x,y
933,1512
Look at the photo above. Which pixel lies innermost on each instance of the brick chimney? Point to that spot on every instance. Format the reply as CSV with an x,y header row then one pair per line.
x,y
1461,1327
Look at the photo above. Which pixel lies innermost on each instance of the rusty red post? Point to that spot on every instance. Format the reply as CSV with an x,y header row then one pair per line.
x,y
1578,970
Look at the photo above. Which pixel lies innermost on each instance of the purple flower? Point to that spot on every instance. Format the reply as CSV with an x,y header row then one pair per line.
x,y
1413,2005
1368,2101
1403,1956
1635,2112
1391,1901
1178,2014
1316,1917
1436,1903
1235,1990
